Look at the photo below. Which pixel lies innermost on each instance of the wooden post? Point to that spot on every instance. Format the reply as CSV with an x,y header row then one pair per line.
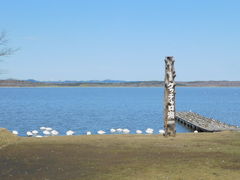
x,y
169,97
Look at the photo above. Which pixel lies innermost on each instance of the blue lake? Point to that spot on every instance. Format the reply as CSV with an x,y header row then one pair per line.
x,y
92,109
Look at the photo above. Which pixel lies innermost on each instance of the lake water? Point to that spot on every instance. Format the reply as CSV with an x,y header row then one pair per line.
x,y
92,109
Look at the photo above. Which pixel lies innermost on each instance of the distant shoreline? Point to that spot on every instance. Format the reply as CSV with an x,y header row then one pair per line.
x,y
25,83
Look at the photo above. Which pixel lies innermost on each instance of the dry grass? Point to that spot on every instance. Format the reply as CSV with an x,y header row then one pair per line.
x,y
206,156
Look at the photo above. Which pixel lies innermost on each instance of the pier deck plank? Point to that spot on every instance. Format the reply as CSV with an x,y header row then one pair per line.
x,y
201,123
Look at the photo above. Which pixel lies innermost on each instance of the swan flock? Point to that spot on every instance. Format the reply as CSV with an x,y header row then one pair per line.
x,y
48,131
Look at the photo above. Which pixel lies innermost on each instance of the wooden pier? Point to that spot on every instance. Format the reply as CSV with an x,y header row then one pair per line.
x,y
200,123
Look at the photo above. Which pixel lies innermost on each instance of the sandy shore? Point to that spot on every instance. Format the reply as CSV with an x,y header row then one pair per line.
x,y
188,156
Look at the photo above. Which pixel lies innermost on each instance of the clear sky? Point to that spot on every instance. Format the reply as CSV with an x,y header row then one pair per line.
x,y
121,39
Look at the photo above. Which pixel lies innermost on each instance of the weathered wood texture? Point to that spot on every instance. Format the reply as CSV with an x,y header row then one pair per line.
x,y
169,97
200,123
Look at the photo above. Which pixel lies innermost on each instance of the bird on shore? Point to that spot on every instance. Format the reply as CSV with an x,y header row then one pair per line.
x,y
29,134
138,131
126,131
42,128
46,133
34,132
101,132
70,133
112,130
89,133
48,129
195,132
119,130
161,131
15,132
54,133
149,131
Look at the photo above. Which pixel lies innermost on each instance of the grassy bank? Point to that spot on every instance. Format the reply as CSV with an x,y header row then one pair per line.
x,y
188,156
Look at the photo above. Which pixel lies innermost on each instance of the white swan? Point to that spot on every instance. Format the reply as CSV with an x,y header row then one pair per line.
x,y
48,129
119,130
112,130
35,132
29,134
15,132
149,131
42,128
70,133
101,132
46,133
138,131
54,133
126,131
161,131
195,132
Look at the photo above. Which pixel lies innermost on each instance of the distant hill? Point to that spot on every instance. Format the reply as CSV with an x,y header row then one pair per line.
x,y
112,83
90,81
211,83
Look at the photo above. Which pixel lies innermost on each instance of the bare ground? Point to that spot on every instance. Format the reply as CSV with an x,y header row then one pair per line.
x,y
203,156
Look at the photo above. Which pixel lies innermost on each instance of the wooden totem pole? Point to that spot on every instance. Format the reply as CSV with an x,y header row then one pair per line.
x,y
169,97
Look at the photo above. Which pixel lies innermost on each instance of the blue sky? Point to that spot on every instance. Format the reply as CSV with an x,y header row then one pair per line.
x,y
121,39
